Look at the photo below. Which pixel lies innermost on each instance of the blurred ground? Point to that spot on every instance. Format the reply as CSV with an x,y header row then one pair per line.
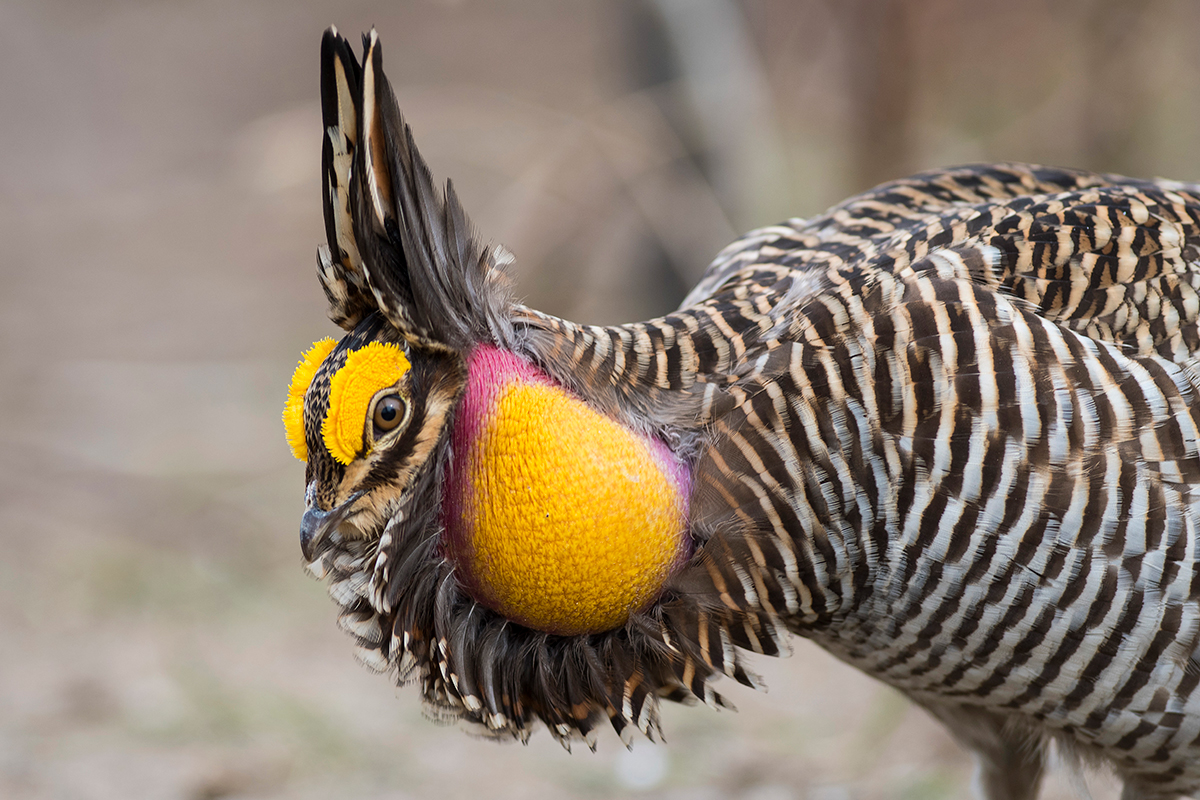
x,y
159,210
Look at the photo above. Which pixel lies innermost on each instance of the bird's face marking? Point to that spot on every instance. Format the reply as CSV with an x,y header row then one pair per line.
x,y
365,414
372,377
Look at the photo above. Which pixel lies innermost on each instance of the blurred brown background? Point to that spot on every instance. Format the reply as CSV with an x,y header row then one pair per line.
x,y
159,208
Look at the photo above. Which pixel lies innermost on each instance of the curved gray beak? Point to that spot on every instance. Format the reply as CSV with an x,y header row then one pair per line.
x,y
316,524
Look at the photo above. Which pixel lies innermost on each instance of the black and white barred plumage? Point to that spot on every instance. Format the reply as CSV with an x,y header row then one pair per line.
x,y
949,430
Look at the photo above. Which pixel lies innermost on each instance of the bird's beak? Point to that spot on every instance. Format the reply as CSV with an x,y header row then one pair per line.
x,y
316,524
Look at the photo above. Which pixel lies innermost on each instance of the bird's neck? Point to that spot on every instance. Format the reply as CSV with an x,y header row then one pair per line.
x,y
554,514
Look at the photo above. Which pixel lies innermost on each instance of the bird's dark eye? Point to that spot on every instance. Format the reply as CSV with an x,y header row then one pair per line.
x,y
389,412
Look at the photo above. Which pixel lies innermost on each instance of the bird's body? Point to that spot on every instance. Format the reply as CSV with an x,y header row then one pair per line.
x,y
949,430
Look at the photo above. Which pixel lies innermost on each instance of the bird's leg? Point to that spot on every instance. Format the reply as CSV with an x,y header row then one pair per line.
x,y
1008,762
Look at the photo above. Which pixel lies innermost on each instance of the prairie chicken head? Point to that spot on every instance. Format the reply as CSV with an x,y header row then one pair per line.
x,y
501,501
949,430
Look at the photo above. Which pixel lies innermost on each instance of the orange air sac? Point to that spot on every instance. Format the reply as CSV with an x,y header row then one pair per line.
x,y
556,516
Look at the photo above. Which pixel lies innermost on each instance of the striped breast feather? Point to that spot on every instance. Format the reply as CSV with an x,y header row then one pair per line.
x,y
967,500
915,422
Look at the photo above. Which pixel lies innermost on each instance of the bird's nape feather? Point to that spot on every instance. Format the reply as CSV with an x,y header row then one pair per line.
x,y
339,264
428,272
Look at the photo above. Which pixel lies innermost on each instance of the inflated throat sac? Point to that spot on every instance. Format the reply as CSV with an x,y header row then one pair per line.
x,y
556,516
